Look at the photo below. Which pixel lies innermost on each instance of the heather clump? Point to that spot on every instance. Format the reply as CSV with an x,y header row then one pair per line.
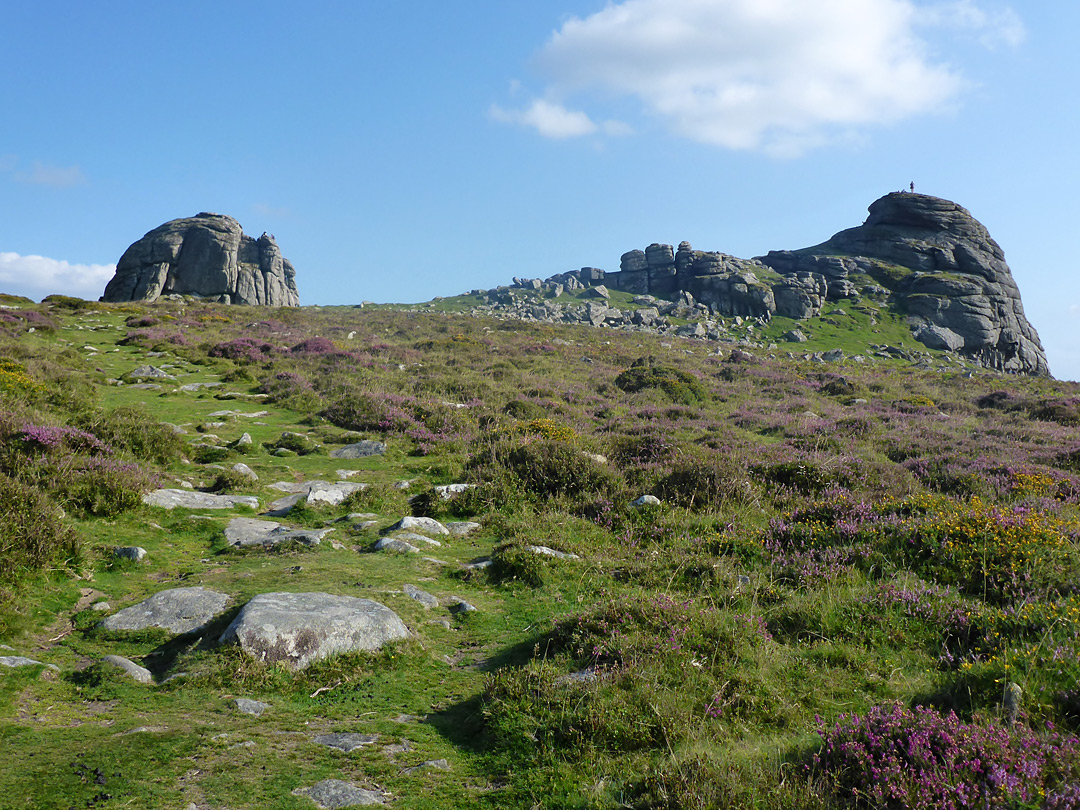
x,y
918,759
33,536
243,350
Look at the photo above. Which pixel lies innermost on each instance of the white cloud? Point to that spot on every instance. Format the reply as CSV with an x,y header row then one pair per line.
x,y
42,174
780,76
38,276
549,119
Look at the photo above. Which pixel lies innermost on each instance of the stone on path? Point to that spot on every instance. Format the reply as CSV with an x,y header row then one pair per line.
x,y
178,610
346,742
141,674
315,492
185,499
246,532
362,449
299,628
249,706
331,794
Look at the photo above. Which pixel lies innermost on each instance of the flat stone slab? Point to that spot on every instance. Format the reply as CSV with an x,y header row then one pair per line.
x,y
364,449
428,764
186,499
149,372
247,532
197,385
424,525
16,661
346,742
249,706
141,674
178,610
331,794
413,537
299,628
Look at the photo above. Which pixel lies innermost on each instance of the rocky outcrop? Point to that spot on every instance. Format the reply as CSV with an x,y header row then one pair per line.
x,y
207,256
922,257
942,269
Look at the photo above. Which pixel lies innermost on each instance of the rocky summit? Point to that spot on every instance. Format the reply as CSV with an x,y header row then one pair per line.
x,y
207,256
922,259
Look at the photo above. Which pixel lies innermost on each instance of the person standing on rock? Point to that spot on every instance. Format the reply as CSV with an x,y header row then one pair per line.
x,y
912,186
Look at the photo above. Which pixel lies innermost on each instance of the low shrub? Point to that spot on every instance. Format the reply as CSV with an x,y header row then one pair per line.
x,y
706,481
133,429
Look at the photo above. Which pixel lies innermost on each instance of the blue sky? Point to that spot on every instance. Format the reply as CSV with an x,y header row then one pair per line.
x,y
400,151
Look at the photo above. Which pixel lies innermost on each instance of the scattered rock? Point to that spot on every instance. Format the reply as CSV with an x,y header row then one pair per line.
x,y
178,610
448,491
419,524
140,674
346,742
299,628
362,449
423,597
460,528
184,499
646,500
550,552
429,764
461,606
136,553
245,470
149,372
331,794
15,661
245,532
395,544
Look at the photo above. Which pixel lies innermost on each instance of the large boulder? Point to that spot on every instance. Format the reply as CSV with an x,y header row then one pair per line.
x,y
299,628
208,256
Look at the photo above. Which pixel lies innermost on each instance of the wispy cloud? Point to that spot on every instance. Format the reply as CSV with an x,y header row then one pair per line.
x,y
38,276
276,212
779,76
42,174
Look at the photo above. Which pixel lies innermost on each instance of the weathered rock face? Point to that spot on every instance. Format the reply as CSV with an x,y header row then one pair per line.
x,y
208,256
960,294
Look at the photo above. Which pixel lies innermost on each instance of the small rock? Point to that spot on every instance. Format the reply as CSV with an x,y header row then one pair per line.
x,y
249,706
432,764
135,553
362,449
346,742
101,607
461,606
144,372
140,674
646,500
478,565
550,552
245,470
419,524
460,528
15,661
393,544
423,597
332,794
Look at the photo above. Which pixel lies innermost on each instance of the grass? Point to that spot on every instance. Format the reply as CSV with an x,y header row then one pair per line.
x,y
830,539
